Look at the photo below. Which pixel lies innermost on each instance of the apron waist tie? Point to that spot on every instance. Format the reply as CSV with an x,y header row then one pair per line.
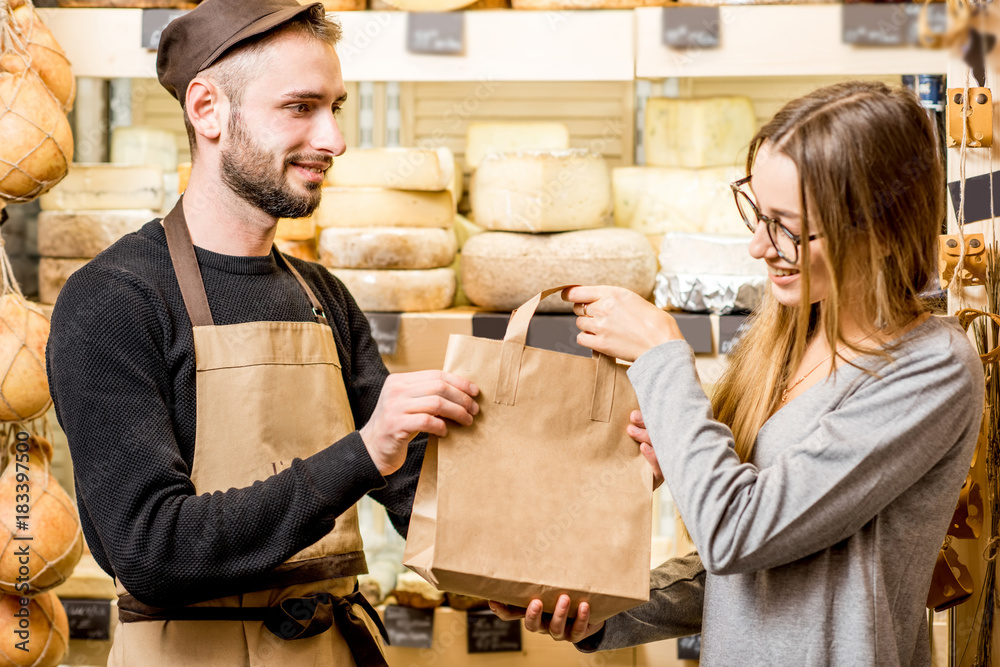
x,y
292,618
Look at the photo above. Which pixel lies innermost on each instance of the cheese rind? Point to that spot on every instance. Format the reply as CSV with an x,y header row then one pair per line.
x,y
295,229
399,291
97,187
302,249
386,248
137,145
703,254
502,270
53,274
396,168
79,234
541,191
707,132
482,139
379,207
659,200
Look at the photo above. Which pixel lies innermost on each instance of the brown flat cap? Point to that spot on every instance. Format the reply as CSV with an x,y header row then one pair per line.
x,y
194,41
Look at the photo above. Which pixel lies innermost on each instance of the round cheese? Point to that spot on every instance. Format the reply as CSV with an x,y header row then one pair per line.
x,y
386,248
53,274
85,233
541,191
103,186
482,139
399,291
302,249
707,132
139,145
398,168
380,207
502,270
296,229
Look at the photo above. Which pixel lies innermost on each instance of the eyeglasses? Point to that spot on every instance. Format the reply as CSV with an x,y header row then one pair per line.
x,y
786,243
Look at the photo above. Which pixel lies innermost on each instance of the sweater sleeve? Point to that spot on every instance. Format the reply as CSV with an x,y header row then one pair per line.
x,y
167,545
882,438
676,600
368,375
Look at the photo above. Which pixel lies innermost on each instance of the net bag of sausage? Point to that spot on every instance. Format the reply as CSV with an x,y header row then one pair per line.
x,y
38,521
36,87
545,493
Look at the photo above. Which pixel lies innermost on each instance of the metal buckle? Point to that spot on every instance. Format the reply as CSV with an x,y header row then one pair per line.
x,y
319,313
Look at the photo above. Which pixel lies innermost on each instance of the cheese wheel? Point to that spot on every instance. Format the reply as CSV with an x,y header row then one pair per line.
x,y
139,145
558,5
53,274
659,200
296,229
302,249
97,187
386,248
702,254
399,291
183,174
396,168
85,233
379,207
49,630
481,139
541,191
502,270
709,132
412,591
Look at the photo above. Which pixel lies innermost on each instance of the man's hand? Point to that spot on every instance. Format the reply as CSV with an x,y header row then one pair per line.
x,y
411,403
560,627
637,431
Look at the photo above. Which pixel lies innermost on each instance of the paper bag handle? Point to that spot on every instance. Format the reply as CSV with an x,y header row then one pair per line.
x,y
513,348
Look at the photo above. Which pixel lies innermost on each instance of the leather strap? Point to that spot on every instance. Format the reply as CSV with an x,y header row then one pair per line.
x,y
293,618
185,262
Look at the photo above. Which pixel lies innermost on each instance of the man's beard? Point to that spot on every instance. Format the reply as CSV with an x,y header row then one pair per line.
x,y
248,170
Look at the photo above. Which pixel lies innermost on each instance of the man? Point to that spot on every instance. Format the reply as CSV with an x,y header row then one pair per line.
x,y
211,389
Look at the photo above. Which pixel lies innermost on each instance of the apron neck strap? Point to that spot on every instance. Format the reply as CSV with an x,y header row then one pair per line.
x,y
185,263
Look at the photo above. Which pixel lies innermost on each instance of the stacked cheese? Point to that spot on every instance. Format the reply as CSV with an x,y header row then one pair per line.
x,y
546,209
694,148
137,145
386,227
94,206
297,237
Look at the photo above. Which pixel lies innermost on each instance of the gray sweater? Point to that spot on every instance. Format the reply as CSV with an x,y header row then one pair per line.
x,y
820,551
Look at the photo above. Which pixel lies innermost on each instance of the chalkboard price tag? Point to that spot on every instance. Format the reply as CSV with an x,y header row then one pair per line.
x,y
689,648
385,331
731,329
409,628
441,33
88,619
691,27
153,23
889,24
490,634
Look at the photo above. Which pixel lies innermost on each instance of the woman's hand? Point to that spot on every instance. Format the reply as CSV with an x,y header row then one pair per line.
x,y
560,627
637,431
618,322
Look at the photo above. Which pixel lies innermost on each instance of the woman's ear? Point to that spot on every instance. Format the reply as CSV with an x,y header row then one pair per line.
x,y
204,107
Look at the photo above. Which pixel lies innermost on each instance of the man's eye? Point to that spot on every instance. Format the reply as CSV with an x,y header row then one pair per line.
x,y
301,108
337,110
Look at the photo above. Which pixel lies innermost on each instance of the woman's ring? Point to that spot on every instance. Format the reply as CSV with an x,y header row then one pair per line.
x,y
584,310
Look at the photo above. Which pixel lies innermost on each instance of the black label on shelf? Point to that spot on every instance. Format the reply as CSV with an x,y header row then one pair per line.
x,y
689,648
88,619
153,23
977,197
436,32
697,331
731,327
409,628
490,634
889,24
385,331
691,27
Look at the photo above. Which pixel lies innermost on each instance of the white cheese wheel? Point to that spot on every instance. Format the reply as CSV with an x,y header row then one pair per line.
x,y
481,139
379,207
502,270
53,274
541,191
85,233
295,229
658,200
703,254
97,187
138,145
399,291
386,248
396,168
708,132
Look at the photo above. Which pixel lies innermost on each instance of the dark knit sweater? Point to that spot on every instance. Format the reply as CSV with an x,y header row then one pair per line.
x,y
121,368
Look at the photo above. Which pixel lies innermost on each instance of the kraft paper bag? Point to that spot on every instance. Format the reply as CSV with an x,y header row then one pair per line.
x,y
545,493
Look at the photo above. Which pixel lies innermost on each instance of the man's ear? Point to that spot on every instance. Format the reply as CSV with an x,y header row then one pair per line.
x,y
205,106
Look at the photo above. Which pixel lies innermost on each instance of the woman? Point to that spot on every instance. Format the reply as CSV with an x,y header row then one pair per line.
x,y
819,494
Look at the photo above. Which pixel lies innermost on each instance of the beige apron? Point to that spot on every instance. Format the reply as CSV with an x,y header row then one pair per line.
x,y
267,392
